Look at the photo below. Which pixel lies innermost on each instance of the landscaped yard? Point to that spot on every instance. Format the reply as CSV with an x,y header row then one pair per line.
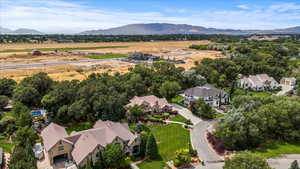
x,y
79,127
107,56
178,100
275,149
169,139
6,144
178,118
251,93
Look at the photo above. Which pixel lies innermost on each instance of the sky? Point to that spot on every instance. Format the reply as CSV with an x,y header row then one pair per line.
x,y
73,16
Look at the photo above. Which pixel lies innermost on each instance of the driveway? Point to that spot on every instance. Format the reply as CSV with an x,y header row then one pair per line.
x,y
284,90
186,113
200,143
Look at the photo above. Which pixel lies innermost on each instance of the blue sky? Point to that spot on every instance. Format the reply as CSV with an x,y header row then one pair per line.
x,y
72,16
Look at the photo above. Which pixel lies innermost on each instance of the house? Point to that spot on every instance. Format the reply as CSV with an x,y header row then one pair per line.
x,y
151,104
81,147
211,95
288,81
260,82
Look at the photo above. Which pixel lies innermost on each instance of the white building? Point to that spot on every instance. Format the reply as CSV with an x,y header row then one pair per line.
x,y
260,82
289,81
211,95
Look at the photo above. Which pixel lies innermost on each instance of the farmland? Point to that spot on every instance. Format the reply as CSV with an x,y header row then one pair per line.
x,y
18,54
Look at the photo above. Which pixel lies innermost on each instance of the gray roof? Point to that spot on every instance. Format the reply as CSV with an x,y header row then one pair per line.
x,y
204,91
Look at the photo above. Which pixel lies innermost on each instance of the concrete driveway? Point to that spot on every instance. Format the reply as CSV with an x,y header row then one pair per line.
x,y
284,90
186,113
200,143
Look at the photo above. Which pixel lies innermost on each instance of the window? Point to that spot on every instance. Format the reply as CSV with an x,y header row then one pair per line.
x,y
61,148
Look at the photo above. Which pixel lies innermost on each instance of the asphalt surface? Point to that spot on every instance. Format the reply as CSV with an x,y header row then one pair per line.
x,y
186,113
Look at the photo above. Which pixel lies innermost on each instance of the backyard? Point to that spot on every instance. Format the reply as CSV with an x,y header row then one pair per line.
x,y
169,138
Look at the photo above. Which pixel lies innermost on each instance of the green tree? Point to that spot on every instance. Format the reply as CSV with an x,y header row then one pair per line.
x,y
7,87
201,109
169,89
41,82
182,157
25,136
294,165
135,113
151,148
27,96
246,160
113,155
3,101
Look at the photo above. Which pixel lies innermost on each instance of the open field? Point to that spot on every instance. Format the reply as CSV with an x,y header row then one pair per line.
x,y
59,49
171,50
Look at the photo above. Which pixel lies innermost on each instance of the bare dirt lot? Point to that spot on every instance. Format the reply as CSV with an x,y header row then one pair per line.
x,y
171,50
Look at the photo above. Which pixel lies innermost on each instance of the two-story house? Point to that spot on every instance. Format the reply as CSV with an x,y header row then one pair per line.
x,y
211,95
81,147
260,82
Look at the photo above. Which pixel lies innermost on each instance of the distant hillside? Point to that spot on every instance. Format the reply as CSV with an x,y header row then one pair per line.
x,y
4,30
165,28
19,31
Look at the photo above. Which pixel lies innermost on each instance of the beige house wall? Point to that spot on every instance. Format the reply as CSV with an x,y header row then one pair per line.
x,y
54,151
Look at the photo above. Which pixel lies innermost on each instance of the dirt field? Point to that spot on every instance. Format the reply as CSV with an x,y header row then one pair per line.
x,y
171,50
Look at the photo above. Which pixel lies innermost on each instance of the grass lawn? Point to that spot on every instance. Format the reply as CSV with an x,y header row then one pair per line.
x,y
169,139
275,149
79,127
251,93
60,49
178,100
6,144
107,56
178,118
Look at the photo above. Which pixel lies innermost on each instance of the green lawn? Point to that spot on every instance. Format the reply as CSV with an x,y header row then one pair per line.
x,y
107,56
79,127
178,118
169,139
178,100
251,93
275,149
6,144
60,49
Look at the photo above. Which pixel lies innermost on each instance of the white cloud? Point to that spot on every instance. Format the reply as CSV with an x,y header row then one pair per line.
x,y
60,16
245,7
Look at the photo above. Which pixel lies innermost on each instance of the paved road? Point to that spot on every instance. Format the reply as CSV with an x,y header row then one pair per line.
x,y
200,143
186,113
53,63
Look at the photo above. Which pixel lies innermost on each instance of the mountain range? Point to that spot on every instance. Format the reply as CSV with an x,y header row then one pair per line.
x,y
19,31
163,29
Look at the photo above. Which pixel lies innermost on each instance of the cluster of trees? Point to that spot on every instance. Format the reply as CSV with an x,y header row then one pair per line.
x,y
100,96
59,38
201,109
246,160
248,58
253,120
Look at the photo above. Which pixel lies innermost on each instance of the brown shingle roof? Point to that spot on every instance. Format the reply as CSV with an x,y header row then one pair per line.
x,y
52,134
151,100
85,142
